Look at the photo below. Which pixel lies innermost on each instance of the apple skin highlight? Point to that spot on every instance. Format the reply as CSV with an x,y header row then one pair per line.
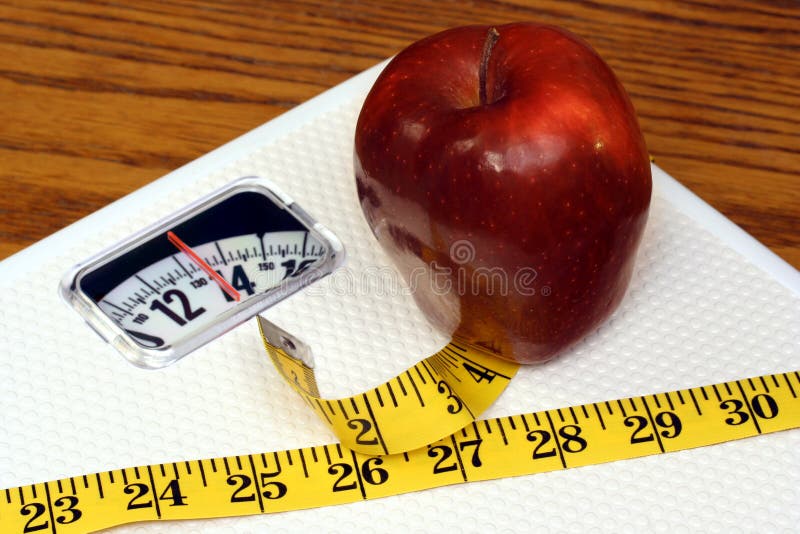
x,y
549,176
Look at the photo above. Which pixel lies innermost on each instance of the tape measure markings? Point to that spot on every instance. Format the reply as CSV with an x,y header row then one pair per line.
x,y
456,384
488,449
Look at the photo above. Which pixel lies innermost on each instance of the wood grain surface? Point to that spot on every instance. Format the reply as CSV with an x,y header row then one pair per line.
x,y
99,97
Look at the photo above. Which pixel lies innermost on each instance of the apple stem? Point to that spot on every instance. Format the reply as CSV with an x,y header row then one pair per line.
x,y
491,39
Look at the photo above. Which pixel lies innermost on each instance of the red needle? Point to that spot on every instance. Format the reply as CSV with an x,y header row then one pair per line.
x,y
223,284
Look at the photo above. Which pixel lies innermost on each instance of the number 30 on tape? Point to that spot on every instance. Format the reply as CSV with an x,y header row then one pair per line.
x,y
325,475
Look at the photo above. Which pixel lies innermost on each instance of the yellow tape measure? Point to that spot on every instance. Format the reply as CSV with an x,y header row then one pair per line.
x,y
457,382
441,394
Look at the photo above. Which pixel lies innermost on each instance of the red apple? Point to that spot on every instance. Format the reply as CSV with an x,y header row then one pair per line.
x,y
504,172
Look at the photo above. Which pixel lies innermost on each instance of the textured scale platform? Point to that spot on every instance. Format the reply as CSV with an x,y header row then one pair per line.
x,y
697,312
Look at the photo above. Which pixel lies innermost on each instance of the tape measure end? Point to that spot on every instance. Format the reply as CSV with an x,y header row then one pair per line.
x,y
289,344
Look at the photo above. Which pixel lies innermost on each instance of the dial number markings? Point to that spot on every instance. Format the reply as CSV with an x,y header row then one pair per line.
x,y
180,294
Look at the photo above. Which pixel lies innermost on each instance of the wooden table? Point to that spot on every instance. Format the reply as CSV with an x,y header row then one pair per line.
x,y
100,97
